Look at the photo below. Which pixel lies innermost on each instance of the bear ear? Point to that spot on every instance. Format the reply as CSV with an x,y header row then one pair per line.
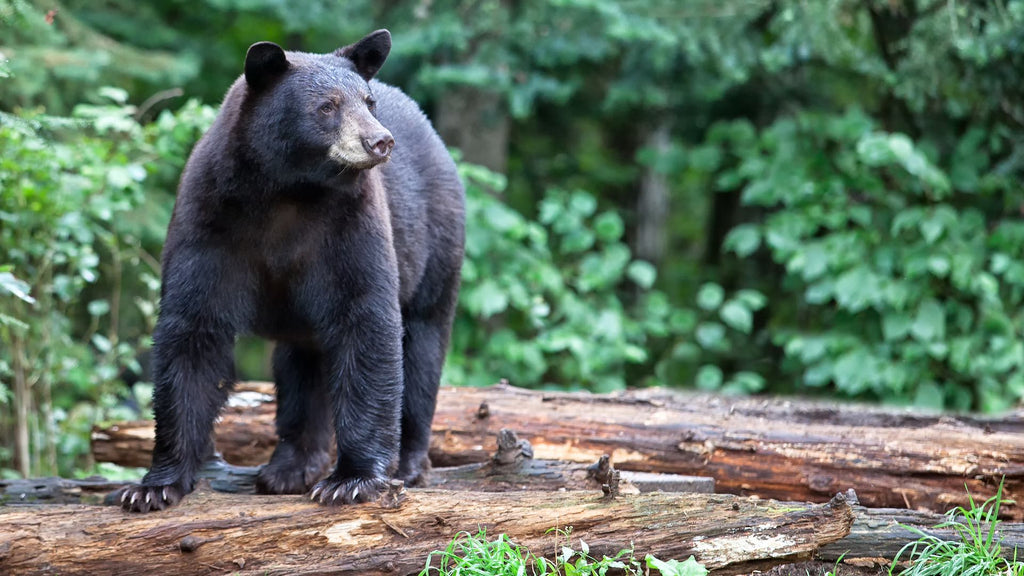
x,y
369,53
264,62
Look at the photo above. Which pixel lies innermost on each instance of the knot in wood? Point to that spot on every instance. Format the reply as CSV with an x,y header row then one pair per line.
x,y
599,470
192,543
511,449
611,485
395,494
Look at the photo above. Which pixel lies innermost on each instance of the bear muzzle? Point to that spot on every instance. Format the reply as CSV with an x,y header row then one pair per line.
x,y
379,146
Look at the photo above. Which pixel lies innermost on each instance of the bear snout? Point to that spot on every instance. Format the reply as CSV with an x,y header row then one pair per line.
x,y
379,146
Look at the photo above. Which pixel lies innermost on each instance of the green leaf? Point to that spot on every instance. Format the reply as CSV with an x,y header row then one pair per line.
x,y
117,95
743,240
737,316
487,299
820,292
710,335
709,378
744,383
939,265
929,395
101,342
710,296
854,370
751,299
98,307
931,229
635,354
857,288
930,322
689,567
816,261
18,288
819,374
608,226
642,273
895,326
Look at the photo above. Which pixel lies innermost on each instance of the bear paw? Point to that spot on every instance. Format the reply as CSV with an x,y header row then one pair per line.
x,y
414,470
140,498
282,476
334,491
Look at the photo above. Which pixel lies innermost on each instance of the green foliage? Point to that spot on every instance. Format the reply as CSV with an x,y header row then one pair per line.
x,y
977,551
891,225
78,285
49,47
562,302
474,554
540,300
907,291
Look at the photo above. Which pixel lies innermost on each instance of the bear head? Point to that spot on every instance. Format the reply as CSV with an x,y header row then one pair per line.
x,y
313,115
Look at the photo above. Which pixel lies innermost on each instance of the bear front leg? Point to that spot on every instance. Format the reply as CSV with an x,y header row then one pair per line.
x,y
365,381
193,373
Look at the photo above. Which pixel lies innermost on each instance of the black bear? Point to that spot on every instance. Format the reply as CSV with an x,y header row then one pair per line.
x,y
321,210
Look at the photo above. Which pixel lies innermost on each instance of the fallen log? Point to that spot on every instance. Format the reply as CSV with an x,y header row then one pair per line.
x,y
878,534
773,448
211,533
511,468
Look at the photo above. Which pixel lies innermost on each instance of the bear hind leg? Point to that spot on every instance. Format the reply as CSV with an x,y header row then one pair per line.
x,y
303,423
427,330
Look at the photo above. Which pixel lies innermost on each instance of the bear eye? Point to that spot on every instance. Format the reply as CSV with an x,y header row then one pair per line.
x,y
327,107
371,103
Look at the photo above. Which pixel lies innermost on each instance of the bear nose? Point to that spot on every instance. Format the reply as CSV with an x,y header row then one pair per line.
x,y
379,145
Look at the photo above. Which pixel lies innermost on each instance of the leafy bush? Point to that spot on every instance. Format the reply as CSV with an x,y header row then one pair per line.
x,y
561,301
899,271
80,277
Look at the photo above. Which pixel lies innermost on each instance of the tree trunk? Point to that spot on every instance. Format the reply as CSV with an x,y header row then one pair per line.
x,y
475,122
653,201
22,402
773,448
212,533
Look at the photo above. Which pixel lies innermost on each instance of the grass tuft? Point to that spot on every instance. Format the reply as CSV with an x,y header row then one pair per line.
x,y
977,551
475,555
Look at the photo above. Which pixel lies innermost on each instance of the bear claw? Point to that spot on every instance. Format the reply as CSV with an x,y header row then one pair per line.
x,y
148,498
349,491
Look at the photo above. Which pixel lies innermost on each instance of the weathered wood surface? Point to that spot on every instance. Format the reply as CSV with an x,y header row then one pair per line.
x,y
54,490
878,534
773,448
519,474
213,533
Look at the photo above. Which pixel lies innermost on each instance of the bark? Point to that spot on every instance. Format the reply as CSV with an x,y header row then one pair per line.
x,y
211,533
772,448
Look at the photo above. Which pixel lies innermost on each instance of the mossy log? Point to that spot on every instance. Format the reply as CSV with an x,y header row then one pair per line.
x,y
214,533
773,448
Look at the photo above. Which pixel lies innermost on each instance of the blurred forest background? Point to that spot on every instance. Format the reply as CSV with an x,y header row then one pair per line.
x,y
817,197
